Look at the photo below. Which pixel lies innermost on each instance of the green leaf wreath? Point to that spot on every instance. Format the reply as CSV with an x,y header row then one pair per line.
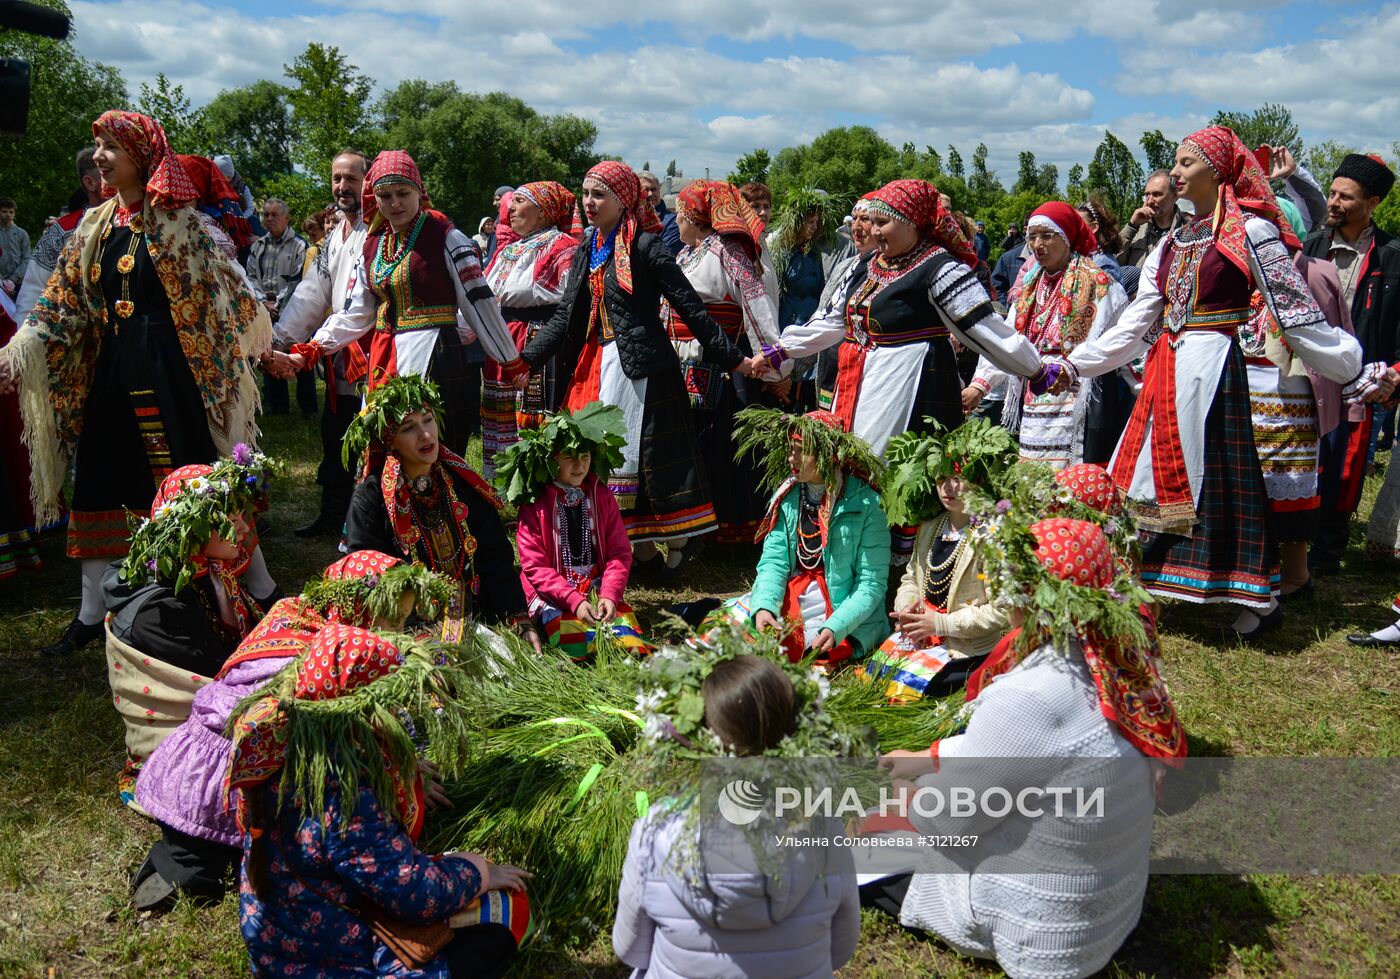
x,y
768,432
787,226
976,450
164,544
528,465
385,407
379,594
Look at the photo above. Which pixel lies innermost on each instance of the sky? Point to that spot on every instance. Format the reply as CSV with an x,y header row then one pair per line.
x,y
704,81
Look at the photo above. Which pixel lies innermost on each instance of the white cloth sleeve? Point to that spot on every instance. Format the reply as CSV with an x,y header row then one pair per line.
x,y
305,311
1327,349
480,312
958,296
345,326
1135,330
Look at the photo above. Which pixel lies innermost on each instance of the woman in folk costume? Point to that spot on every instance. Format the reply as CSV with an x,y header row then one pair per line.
x,y
1079,702
613,348
896,367
574,554
419,500
420,289
1065,299
722,233
942,613
824,569
181,786
135,361
180,601
219,202
528,276
329,795
1187,462
1292,407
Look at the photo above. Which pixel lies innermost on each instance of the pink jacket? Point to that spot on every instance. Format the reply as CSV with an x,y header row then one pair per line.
x,y
1326,288
540,566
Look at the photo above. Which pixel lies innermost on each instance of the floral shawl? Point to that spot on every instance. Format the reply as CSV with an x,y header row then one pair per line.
x,y
54,354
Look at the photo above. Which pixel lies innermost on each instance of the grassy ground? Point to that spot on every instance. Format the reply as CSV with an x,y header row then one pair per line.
x,y
67,846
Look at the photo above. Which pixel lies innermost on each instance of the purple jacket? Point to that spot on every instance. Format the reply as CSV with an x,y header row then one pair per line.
x,y
1326,288
182,783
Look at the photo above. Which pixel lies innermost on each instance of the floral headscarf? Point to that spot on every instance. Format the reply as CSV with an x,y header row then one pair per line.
x,y
555,201
917,202
1243,187
717,204
284,632
143,139
637,213
1092,486
390,167
1068,223
341,660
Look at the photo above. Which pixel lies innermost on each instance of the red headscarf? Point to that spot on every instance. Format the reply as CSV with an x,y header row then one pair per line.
x,y
1131,691
390,167
284,632
717,204
217,198
505,234
1068,223
1092,486
637,213
555,201
352,567
918,202
168,186
1243,187
340,659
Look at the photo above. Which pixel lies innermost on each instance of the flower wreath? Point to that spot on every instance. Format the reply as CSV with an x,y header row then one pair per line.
x,y
976,450
528,465
163,545
672,708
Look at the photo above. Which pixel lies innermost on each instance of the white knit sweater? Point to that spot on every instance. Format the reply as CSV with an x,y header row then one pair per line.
x,y
1039,725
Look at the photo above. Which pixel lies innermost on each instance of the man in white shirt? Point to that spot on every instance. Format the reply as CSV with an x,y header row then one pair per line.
x,y
326,287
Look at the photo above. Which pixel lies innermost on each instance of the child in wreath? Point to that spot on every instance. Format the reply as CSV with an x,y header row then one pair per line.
x,y
575,558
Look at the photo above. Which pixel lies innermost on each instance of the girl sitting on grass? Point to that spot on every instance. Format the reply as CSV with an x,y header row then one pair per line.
x,y
822,576
941,612
574,554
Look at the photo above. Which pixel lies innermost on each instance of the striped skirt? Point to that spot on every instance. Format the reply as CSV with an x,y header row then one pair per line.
x,y
1286,437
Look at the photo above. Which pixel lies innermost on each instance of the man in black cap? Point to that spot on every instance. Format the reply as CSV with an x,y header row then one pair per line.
x,y
1368,265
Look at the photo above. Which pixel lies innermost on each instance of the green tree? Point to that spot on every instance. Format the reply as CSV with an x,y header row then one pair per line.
x,y
329,101
1027,174
846,162
671,170
1271,123
1047,180
925,165
986,189
67,92
1324,158
468,144
1115,171
1074,186
955,163
752,167
1387,216
646,165
167,103
253,124
304,194
1161,152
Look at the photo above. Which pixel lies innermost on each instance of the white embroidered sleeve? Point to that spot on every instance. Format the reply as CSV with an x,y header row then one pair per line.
x,y
347,325
1137,328
967,311
480,314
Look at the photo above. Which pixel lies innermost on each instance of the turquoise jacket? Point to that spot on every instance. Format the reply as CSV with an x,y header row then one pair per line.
x,y
857,563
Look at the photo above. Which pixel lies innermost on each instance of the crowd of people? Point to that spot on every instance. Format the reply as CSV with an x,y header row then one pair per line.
x,y
965,481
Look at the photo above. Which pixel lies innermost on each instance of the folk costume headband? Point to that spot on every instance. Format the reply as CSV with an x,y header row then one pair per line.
x,y
143,139
1369,171
718,205
918,203
555,201
1065,221
528,465
1243,187
390,167
977,451
637,213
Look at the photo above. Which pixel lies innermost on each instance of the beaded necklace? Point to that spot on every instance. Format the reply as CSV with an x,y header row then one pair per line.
x,y
384,262
578,568
809,531
434,511
938,578
599,255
